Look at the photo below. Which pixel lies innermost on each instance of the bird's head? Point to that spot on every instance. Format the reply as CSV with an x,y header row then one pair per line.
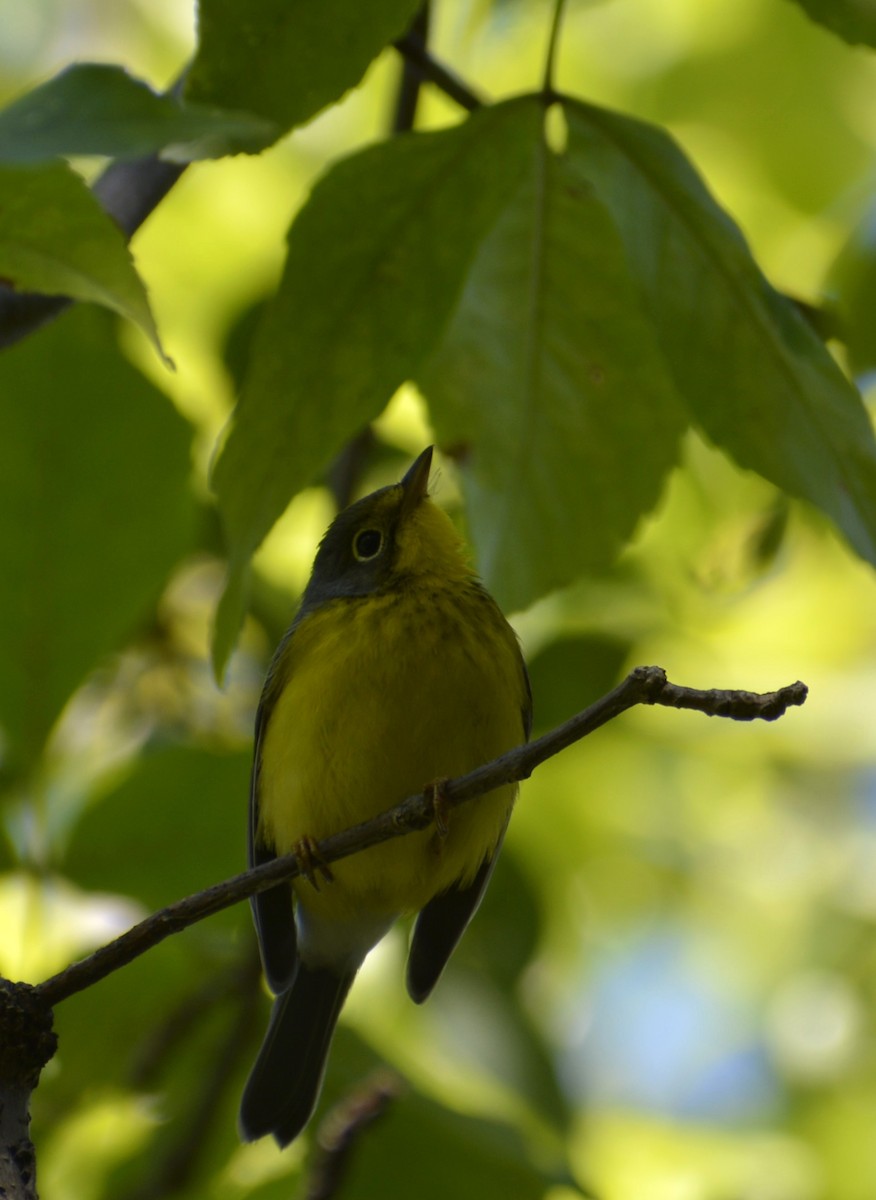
x,y
386,540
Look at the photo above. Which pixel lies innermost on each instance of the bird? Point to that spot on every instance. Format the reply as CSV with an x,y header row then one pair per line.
x,y
398,672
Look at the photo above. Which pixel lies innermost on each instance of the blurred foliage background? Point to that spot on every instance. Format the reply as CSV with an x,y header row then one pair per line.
x,y
670,991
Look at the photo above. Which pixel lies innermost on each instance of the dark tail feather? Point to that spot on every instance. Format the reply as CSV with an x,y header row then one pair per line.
x,y
283,1086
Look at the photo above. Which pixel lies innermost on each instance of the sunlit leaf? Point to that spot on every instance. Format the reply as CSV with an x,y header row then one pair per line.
x,y
551,379
95,108
287,59
95,510
753,374
376,260
56,239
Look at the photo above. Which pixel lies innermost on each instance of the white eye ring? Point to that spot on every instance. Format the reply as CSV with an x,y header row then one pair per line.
x,y
367,544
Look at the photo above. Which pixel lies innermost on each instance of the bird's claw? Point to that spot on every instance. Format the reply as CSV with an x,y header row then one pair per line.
x,y
440,807
311,863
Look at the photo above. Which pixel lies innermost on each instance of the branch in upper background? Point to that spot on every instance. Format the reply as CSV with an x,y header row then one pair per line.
x,y
129,192
411,76
644,685
415,52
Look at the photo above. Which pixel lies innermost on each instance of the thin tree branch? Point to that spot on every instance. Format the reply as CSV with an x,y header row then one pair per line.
x,y
644,685
415,52
130,191
341,1130
411,76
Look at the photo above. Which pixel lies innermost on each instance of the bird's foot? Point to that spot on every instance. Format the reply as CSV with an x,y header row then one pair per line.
x,y
311,863
440,808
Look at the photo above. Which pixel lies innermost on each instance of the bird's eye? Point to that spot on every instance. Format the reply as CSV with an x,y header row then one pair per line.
x,y
367,544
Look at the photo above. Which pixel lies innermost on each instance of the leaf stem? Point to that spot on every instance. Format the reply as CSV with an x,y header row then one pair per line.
x,y
547,87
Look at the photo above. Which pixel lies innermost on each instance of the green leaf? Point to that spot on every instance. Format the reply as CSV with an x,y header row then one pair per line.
x,y
376,261
754,375
420,1147
853,20
104,1030
551,377
287,59
95,108
120,843
56,239
95,511
572,672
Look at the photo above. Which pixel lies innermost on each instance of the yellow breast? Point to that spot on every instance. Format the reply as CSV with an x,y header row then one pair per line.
x,y
383,695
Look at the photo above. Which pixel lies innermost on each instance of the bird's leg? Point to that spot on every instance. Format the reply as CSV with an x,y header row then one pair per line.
x,y
311,863
440,809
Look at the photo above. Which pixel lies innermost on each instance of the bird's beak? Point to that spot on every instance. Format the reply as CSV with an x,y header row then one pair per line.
x,y
415,485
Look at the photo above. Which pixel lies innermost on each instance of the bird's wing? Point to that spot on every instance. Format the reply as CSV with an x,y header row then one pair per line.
x,y
439,927
272,909
526,706
442,922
